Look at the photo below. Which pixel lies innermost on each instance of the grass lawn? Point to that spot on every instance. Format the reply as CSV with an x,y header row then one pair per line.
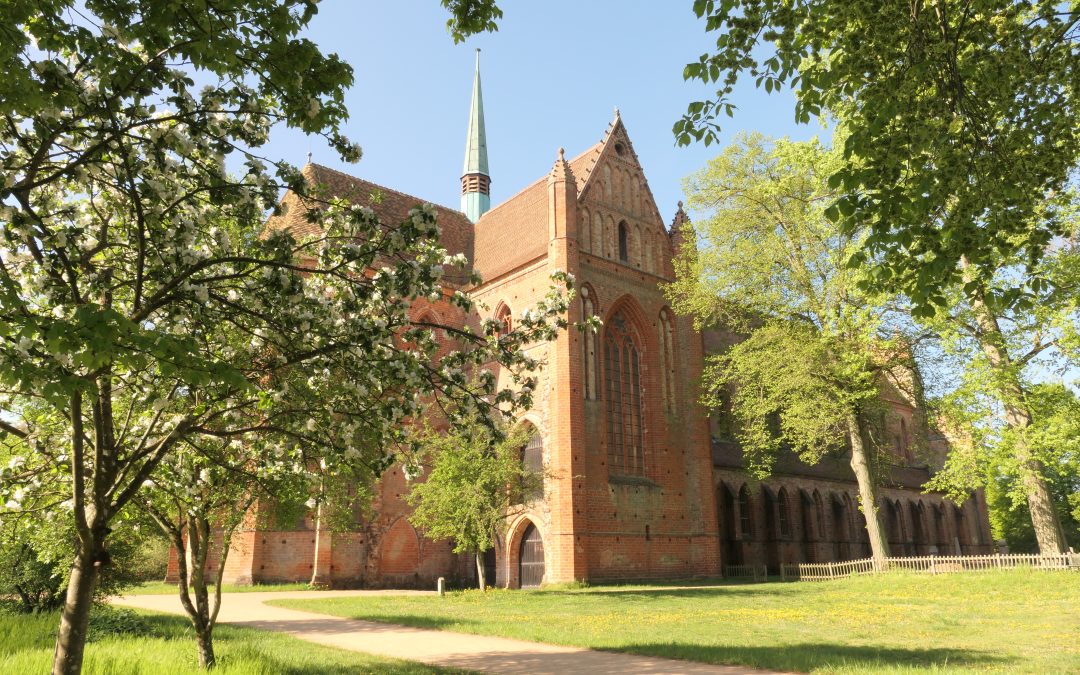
x,y
1014,621
156,644
159,588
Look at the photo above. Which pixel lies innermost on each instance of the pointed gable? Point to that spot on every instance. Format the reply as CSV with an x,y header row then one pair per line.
x,y
610,172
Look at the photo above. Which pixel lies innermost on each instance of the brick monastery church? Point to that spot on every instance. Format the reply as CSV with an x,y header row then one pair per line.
x,y
643,484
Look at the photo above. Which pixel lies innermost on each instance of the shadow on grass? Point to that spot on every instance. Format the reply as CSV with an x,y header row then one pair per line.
x,y
811,655
334,625
707,593
165,644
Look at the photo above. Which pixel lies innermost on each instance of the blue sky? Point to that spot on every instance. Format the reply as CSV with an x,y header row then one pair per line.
x,y
552,76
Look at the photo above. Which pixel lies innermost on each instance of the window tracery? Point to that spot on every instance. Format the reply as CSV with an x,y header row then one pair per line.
x,y
623,379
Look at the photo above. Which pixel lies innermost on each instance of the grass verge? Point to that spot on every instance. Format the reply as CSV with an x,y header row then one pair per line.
x,y
1015,621
159,588
126,642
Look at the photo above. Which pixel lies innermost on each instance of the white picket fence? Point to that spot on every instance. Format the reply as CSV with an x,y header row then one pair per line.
x,y
755,573
931,564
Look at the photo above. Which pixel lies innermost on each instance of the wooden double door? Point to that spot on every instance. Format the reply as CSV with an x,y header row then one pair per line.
x,y
531,560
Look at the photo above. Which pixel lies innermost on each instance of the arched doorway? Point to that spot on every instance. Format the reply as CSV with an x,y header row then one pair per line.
x,y
531,559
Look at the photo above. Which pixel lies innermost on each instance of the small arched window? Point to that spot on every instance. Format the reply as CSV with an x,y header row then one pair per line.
x,y
746,516
905,440
721,420
782,513
622,377
624,241
505,319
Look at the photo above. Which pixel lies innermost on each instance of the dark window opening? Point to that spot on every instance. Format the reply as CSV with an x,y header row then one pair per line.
x,y
624,244
746,522
782,508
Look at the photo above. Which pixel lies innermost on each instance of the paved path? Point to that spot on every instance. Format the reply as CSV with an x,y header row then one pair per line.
x,y
441,648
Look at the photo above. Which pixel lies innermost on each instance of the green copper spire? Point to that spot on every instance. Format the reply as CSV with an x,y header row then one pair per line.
x,y
475,179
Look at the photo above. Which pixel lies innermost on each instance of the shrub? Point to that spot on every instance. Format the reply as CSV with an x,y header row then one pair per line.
x,y
35,563
150,559
37,585
106,621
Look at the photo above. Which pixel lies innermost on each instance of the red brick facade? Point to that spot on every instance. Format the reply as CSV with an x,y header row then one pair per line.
x,y
641,486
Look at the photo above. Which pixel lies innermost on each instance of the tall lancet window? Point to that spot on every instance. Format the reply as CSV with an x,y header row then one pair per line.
x,y
624,242
623,380
588,309
666,339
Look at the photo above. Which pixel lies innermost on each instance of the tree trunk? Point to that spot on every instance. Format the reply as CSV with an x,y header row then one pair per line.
x,y
1010,391
205,638
860,464
480,570
199,541
74,620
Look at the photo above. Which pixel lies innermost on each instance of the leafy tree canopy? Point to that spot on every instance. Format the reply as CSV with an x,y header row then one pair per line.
x,y
989,460
961,120
811,349
474,480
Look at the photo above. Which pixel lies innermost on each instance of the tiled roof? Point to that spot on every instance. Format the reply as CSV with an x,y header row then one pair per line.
x,y
391,207
516,231
509,235
512,233
582,166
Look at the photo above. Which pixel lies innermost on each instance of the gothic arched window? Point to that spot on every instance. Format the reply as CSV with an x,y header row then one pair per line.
x,y
584,238
624,242
783,517
622,377
905,441
666,339
588,309
532,460
746,517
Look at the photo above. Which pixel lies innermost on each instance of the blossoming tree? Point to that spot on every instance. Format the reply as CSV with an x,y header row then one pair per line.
x,y
142,308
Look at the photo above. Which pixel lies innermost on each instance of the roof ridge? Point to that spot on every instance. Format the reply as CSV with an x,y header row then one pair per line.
x,y
389,189
538,180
